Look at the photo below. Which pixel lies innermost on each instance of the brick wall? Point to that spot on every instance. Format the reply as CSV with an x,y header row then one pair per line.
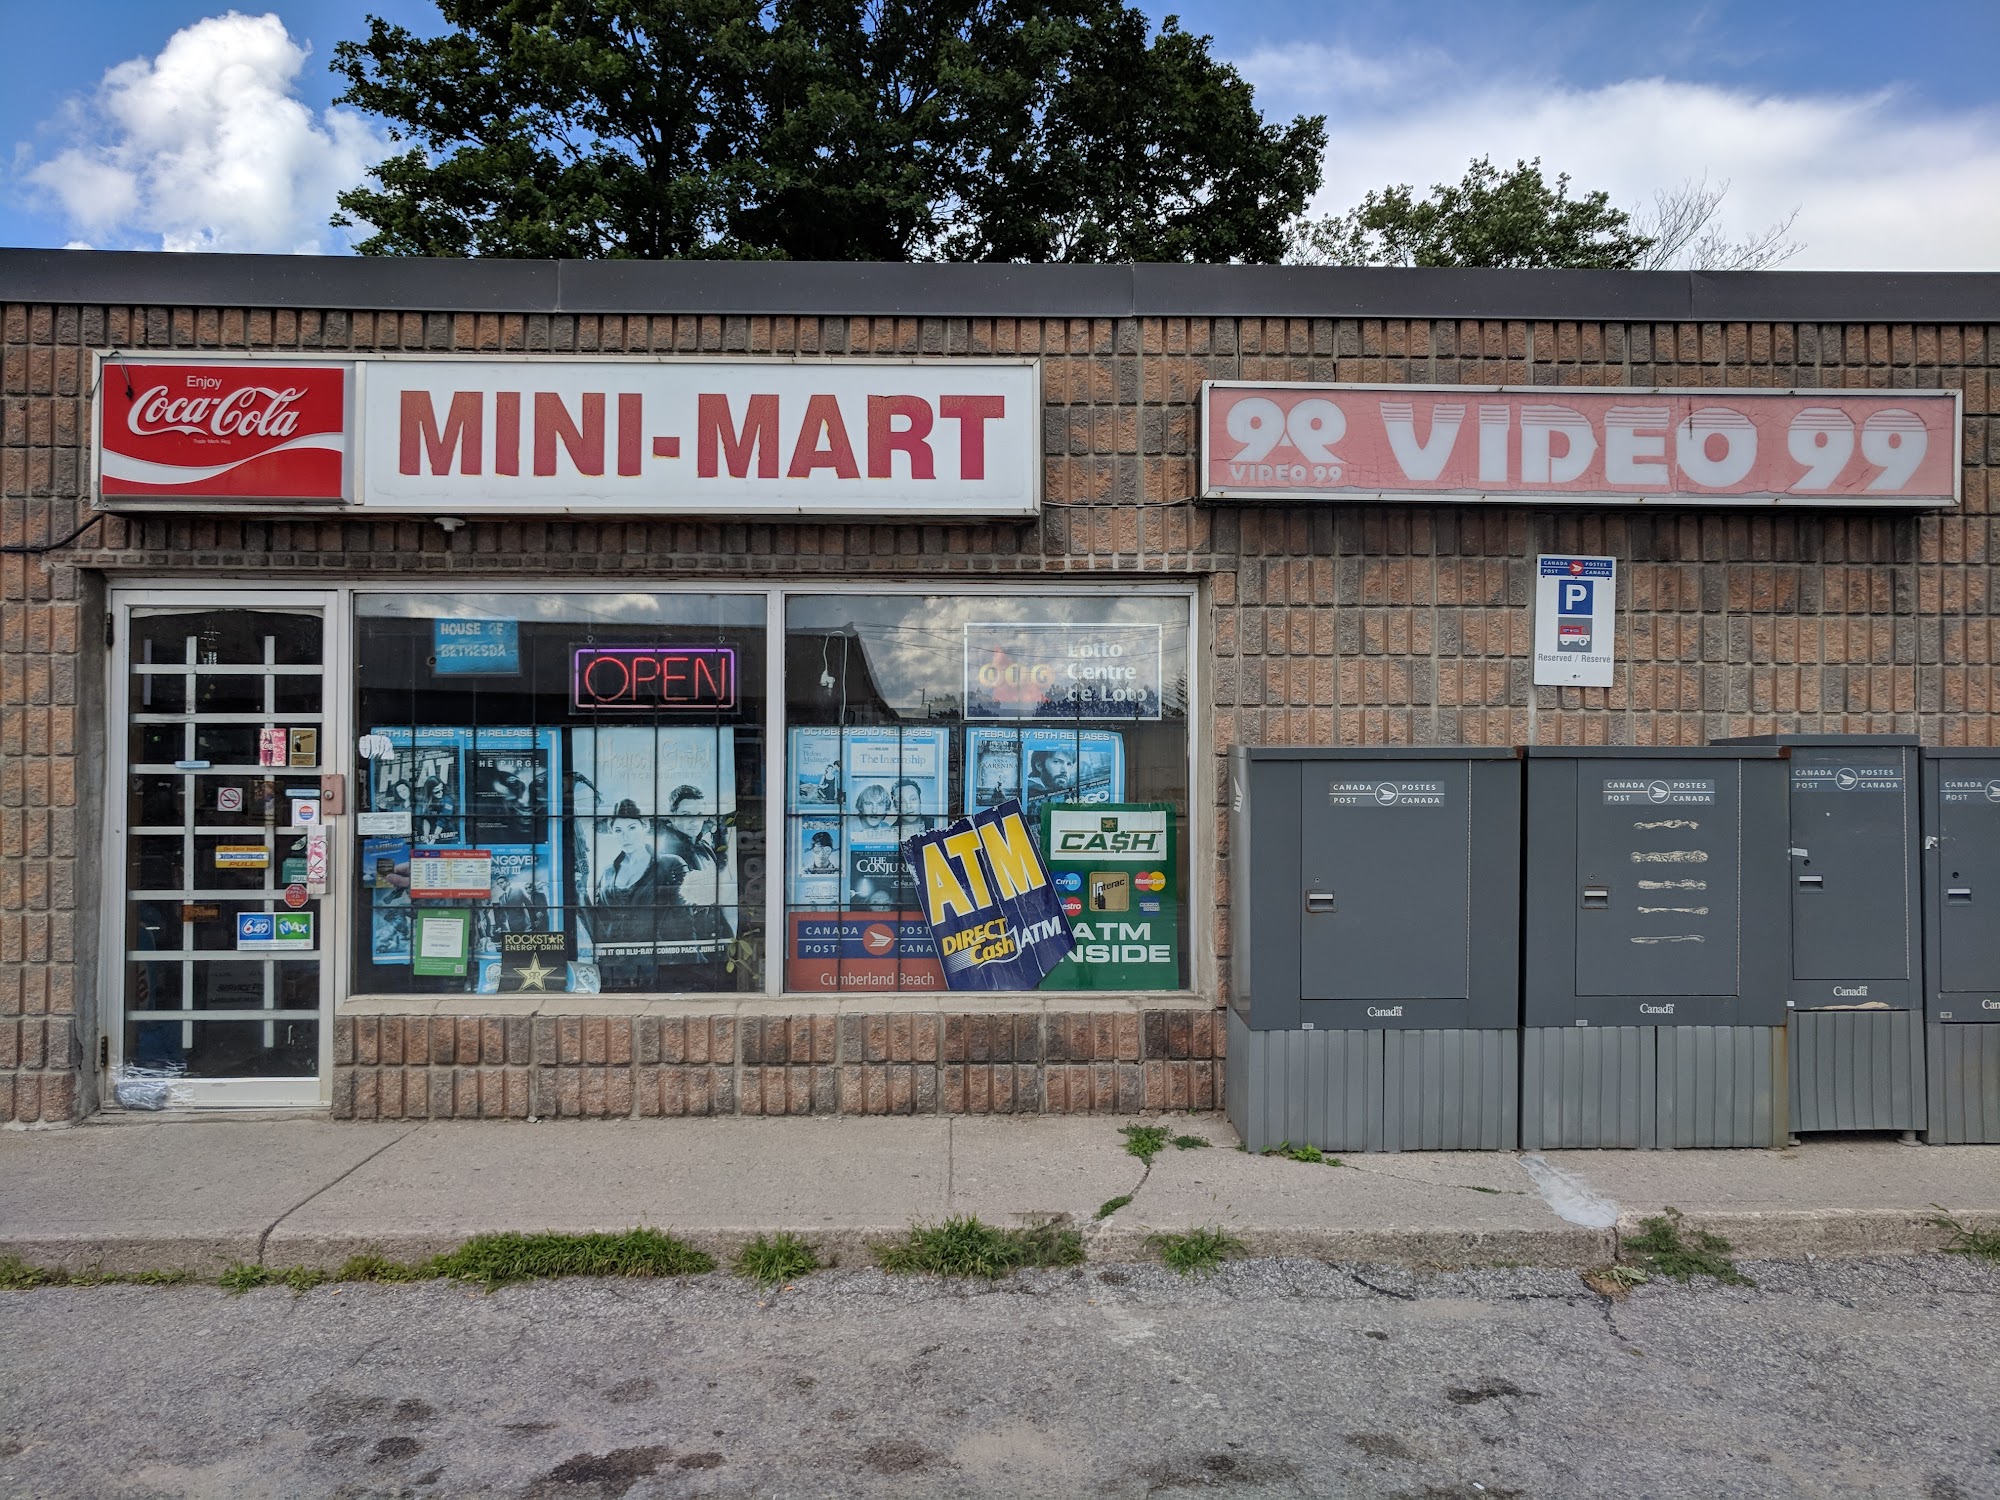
x,y
1351,624
1116,1059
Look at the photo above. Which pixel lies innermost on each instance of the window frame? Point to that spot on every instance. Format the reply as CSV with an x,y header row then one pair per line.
x,y
343,637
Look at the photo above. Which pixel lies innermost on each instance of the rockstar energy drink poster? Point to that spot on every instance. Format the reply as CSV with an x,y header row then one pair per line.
x,y
1113,867
989,901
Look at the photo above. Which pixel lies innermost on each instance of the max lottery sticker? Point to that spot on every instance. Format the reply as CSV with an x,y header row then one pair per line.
x,y
989,902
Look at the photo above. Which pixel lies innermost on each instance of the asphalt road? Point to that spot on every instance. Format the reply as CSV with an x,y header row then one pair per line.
x,y
1273,1378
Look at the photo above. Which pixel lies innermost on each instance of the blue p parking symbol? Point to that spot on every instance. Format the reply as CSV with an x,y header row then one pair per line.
x,y
1573,596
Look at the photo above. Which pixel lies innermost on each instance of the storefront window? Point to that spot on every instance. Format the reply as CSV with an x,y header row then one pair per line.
x,y
905,711
560,792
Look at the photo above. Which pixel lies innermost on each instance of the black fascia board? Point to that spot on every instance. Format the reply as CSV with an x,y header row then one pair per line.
x,y
882,289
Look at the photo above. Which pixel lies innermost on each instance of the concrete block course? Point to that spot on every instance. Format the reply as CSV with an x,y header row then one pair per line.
x,y
1121,1056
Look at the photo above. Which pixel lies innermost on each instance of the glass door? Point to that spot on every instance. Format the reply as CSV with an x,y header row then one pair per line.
x,y
219,845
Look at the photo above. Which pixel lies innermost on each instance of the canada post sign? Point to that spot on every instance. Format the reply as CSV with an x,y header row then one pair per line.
x,y
990,903
1597,446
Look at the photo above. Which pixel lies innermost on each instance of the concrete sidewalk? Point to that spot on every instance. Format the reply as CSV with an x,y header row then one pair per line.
x,y
128,1193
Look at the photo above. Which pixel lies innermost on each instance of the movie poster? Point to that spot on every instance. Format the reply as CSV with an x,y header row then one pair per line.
x,y
653,856
424,775
817,861
510,770
523,898
1034,766
856,794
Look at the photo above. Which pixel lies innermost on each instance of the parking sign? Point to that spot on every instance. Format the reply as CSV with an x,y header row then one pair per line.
x,y
1575,608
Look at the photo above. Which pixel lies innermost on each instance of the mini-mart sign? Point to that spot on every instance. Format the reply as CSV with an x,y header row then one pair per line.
x,y
605,436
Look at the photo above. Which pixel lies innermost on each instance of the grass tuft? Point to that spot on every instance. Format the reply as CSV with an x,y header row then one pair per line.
x,y
768,1260
1111,1206
493,1260
1190,1143
241,1278
381,1268
1981,1244
1664,1250
16,1275
1199,1251
1311,1155
1145,1141
963,1246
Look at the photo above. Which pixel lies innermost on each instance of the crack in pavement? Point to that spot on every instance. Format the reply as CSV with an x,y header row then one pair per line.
x,y
264,1239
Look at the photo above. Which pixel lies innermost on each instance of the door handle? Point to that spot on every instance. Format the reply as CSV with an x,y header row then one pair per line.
x,y
1813,882
1960,895
1597,897
1319,902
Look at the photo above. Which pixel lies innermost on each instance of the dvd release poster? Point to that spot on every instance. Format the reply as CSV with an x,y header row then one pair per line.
x,y
889,781
816,864
423,775
523,899
510,771
654,861
1034,766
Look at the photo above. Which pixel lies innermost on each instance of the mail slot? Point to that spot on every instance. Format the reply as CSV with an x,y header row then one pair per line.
x,y
1855,1041
1961,861
1654,947
1375,947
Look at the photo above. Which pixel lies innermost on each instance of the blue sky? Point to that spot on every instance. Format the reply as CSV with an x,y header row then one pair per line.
x,y
1879,124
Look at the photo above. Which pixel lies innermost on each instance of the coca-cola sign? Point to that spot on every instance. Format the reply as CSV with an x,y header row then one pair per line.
x,y
252,431
1590,447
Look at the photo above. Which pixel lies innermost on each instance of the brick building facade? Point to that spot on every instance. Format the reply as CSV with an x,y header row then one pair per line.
x,y
1314,623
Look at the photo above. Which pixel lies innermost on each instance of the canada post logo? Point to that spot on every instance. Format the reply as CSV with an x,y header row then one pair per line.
x,y
1138,836
991,906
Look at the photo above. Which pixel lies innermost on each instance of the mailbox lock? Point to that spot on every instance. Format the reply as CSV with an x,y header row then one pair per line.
x,y
1597,895
1319,901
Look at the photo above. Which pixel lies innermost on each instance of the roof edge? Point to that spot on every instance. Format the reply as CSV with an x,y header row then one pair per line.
x,y
883,289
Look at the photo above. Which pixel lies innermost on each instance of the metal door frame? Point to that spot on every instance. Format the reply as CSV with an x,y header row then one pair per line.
x,y
212,1093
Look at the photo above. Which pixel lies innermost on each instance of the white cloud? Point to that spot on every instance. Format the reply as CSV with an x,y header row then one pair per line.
x,y
1878,184
207,147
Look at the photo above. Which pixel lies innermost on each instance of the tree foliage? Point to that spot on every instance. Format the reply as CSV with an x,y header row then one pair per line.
x,y
1490,218
1032,130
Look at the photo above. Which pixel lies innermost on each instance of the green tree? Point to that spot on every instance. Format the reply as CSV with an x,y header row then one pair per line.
x,y
1491,218
819,129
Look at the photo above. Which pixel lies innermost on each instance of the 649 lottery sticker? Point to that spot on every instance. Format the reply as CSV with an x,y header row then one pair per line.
x,y
989,901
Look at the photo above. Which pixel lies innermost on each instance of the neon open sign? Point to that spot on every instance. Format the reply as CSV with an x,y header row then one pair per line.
x,y
653,677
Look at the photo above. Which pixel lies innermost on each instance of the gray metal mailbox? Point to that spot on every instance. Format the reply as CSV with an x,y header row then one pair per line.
x,y
1375,948
1857,1007
1961,832
1655,951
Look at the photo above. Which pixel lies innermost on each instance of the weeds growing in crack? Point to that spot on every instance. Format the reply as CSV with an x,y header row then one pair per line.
x,y
1665,1250
1980,1244
1111,1206
16,1275
1615,1281
963,1246
770,1259
1198,1252
1311,1155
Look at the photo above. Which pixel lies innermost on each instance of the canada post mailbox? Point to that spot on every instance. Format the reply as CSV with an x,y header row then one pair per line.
x,y
1961,834
1856,1043
1656,947
1375,899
